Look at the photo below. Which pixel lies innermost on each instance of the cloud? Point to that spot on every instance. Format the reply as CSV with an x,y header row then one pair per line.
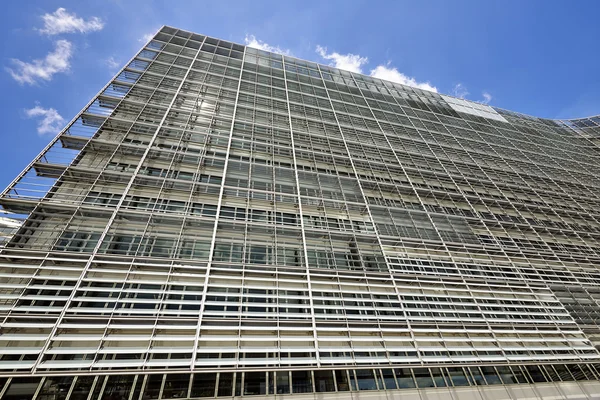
x,y
486,97
146,37
50,122
60,21
354,62
392,74
460,91
56,61
349,62
112,64
252,41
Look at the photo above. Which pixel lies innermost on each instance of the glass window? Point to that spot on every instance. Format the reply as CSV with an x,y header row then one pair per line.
x,y
341,378
366,379
283,382
405,378
388,379
324,381
578,372
258,255
550,373
477,376
301,382
204,385
238,384
438,377
506,375
225,384
153,384
563,373
255,383
491,376
458,377
535,373
423,378
519,375
83,386
58,387
176,386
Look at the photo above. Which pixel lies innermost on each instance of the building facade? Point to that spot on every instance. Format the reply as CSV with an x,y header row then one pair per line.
x,y
222,221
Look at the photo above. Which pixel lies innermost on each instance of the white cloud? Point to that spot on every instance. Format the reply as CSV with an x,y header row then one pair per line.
x,y
392,74
349,62
54,62
460,91
252,41
354,62
486,97
50,122
146,37
60,21
112,64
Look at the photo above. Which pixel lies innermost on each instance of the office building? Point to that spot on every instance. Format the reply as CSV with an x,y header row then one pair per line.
x,y
223,221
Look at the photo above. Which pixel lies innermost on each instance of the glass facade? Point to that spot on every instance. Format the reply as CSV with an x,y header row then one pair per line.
x,y
223,221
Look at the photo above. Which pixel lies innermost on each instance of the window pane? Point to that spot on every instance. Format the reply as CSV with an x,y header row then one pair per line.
x,y
366,379
324,381
458,377
301,382
204,385
225,384
388,379
404,377
255,383
341,378
283,382
423,377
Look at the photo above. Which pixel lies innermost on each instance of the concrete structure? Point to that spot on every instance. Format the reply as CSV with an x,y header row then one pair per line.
x,y
223,221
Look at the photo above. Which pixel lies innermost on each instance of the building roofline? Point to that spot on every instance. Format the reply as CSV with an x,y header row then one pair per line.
x,y
574,123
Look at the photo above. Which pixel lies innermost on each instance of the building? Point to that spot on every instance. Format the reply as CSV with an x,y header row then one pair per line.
x,y
223,221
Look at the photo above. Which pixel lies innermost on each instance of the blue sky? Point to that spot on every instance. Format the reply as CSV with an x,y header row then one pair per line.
x,y
536,57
